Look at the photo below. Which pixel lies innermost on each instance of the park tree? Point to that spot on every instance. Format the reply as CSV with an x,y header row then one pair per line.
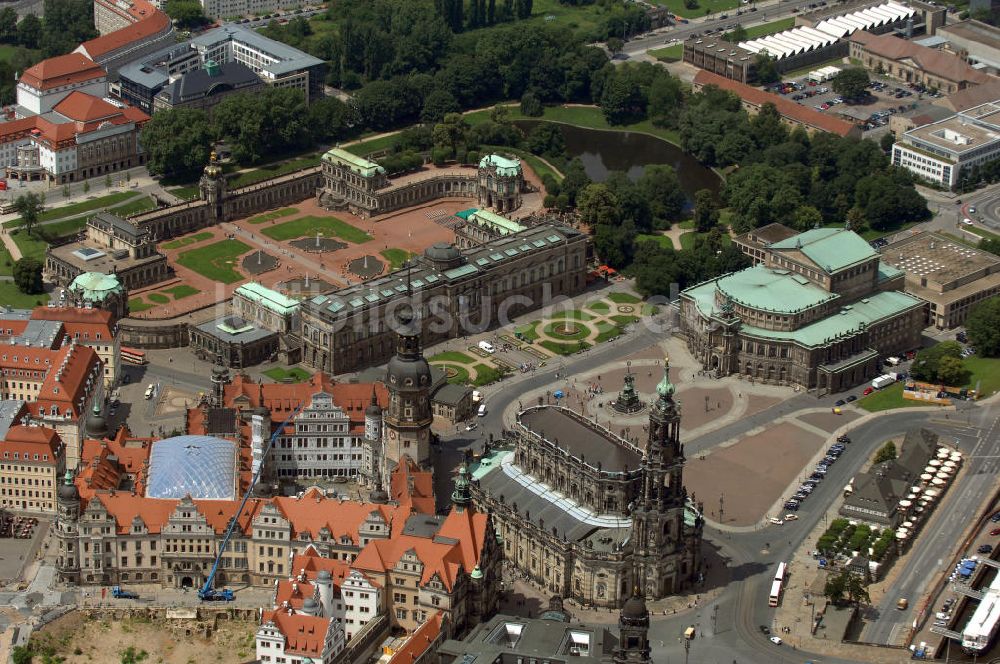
x,y
531,105
187,14
177,142
615,45
765,69
382,105
522,8
951,371
8,26
851,83
666,94
29,206
885,453
622,100
886,141
437,104
28,275
806,217
29,31
262,124
928,361
983,327
546,139
598,205
661,189
66,23
330,119
706,211
736,35
451,132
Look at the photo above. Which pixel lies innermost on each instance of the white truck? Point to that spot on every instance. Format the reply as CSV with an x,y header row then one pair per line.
x,y
883,381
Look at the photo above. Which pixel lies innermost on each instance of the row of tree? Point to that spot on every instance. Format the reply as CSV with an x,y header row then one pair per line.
x,y
66,23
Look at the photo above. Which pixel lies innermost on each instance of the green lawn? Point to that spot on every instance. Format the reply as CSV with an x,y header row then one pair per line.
x,y
486,374
668,53
986,372
563,348
588,117
770,28
599,307
7,52
283,375
528,331
687,239
78,208
6,262
181,291
185,241
580,332
12,297
367,146
30,245
137,304
624,319
141,204
623,298
217,261
607,331
309,226
461,374
451,356
661,240
889,398
64,227
185,193
158,298
273,214
269,171
396,257
575,314
715,6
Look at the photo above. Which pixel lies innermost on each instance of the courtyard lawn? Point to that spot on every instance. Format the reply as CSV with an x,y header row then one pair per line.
x,y
668,53
366,146
889,398
12,297
623,298
576,333
607,331
283,375
624,319
452,356
216,261
30,245
137,304
599,306
396,257
575,314
528,331
158,298
457,374
309,226
563,348
185,241
181,291
78,208
185,193
273,214
261,173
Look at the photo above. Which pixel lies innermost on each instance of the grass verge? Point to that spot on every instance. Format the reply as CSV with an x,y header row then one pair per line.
x,y
889,398
12,297
452,356
77,208
185,241
563,348
283,375
273,214
396,257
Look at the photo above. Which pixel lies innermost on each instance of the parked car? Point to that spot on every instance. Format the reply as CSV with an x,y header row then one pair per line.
x,y
776,640
840,402
851,398
765,629
995,518
995,532
792,505
794,517
985,548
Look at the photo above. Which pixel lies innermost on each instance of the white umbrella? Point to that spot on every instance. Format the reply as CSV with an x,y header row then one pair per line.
x,y
942,453
945,471
918,509
956,456
937,481
930,469
901,534
916,489
932,493
907,524
905,503
934,462
912,496
950,464
927,477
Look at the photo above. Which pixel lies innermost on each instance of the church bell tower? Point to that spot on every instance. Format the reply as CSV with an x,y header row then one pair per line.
x,y
407,422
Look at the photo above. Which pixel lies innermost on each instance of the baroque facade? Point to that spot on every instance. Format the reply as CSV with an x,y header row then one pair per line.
x,y
820,311
628,525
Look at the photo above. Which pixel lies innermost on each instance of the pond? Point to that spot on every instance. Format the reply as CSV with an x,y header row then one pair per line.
x,y
603,151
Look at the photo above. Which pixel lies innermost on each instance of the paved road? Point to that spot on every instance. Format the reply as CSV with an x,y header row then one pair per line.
x,y
987,204
766,12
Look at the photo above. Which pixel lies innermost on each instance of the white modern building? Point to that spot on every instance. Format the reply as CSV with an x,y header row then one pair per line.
x,y
940,151
237,8
362,599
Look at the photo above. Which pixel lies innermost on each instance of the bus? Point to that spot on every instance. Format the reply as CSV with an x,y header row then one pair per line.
x,y
776,584
133,356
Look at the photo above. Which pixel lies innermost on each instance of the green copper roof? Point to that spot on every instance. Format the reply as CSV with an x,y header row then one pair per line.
x,y
847,321
665,388
500,223
832,249
96,285
359,165
270,299
504,166
768,289
886,271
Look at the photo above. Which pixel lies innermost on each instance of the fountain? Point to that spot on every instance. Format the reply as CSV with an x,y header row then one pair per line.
x,y
365,267
628,400
259,262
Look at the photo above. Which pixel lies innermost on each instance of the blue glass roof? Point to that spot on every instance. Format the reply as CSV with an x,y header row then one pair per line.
x,y
202,466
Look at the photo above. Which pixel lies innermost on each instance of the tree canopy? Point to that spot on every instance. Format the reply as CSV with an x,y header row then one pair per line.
x,y
927,364
983,327
851,83
262,124
28,275
29,206
177,142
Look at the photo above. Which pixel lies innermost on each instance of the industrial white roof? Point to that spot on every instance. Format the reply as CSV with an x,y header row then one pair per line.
x,y
865,19
789,42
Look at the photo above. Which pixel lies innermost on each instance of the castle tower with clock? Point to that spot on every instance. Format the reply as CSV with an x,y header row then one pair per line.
x,y
407,422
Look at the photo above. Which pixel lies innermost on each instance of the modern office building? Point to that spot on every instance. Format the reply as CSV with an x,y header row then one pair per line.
x,y
819,311
238,8
941,151
207,87
951,277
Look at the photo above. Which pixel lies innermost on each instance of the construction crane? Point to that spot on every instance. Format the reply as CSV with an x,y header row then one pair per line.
x,y
207,593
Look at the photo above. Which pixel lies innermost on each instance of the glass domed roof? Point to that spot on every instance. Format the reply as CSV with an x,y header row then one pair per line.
x,y
202,466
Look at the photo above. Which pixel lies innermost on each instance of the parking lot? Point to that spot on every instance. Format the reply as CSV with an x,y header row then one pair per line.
x,y
886,98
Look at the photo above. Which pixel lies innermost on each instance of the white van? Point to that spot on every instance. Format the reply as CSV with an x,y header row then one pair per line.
x,y
482,410
149,392
486,347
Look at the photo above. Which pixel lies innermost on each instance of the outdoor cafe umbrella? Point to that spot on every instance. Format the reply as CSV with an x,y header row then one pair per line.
x,y
934,462
937,481
931,493
942,453
945,471
956,456
930,469
950,464
927,477
905,503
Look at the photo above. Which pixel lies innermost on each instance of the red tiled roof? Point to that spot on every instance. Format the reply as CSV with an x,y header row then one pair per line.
x,y
61,70
149,22
304,635
31,440
154,512
80,323
103,462
786,107
411,487
82,107
315,511
938,63
439,559
418,643
63,372
16,129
